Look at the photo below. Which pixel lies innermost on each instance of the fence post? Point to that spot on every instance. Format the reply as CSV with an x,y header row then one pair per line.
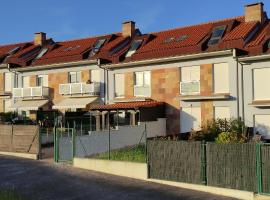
x,y
73,143
109,142
56,145
146,152
259,166
203,163
40,142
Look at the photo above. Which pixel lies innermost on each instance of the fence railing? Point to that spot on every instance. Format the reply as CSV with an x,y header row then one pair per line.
x,y
30,92
235,166
79,88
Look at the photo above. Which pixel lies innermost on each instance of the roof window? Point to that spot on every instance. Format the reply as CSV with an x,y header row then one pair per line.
x,y
134,46
30,53
175,39
119,47
217,34
41,53
14,50
96,47
72,48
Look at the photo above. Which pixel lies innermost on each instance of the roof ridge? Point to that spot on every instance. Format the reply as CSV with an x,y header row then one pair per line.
x,y
18,43
201,24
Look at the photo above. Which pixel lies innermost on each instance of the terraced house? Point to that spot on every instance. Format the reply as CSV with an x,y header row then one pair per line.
x,y
188,75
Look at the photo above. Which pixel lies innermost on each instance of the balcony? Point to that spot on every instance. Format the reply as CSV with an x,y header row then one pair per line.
x,y
92,89
31,92
142,91
190,88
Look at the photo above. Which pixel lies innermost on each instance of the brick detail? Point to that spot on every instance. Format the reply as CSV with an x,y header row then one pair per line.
x,y
33,81
54,80
86,75
206,89
165,87
206,79
129,85
1,83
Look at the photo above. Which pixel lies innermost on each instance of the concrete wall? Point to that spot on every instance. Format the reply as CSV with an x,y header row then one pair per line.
x,y
98,141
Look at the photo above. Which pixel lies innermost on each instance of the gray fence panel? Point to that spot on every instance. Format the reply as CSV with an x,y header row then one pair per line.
x,y
265,152
175,160
65,148
232,166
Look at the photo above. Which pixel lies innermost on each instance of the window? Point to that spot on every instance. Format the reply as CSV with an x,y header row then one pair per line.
x,y
262,125
11,81
190,80
7,105
30,53
41,53
143,78
72,48
221,78
14,50
222,112
74,77
134,46
261,78
42,80
190,119
96,47
217,34
95,76
119,85
119,47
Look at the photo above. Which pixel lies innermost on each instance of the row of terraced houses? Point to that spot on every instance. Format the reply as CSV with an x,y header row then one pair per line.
x,y
188,75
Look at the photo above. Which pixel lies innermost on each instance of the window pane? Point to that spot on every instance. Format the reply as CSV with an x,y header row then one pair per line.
x,y
8,82
95,75
147,78
119,85
78,77
190,119
134,46
190,73
221,78
261,78
72,77
26,81
139,78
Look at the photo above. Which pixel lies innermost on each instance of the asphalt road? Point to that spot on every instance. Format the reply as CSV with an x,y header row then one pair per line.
x,y
39,180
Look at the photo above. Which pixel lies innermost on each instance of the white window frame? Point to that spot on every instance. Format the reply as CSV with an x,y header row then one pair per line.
x,y
217,81
191,79
253,85
77,74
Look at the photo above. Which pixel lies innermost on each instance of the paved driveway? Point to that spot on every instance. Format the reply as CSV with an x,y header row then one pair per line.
x,y
42,180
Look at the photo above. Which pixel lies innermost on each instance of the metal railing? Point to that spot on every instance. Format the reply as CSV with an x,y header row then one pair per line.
x,y
39,91
142,91
79,88
189,87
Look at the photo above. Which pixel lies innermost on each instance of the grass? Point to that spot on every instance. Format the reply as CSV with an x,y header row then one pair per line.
x,y
9,194
130,154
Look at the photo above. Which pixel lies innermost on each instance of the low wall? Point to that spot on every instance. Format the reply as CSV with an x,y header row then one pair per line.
x,y
119,168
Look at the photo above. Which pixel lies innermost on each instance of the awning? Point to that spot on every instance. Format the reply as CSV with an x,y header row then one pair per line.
x,y
127,105
69,103
29,105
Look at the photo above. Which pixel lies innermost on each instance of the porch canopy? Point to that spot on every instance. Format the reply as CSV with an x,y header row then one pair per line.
x,y
127,105
27,105
71,103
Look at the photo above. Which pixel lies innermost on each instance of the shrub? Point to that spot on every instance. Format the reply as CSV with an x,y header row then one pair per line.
x,y
211,129
229,137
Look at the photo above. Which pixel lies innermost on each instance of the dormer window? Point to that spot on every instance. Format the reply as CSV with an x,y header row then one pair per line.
x,y
14,50
72,48
134,46
96,47
30,53
217,34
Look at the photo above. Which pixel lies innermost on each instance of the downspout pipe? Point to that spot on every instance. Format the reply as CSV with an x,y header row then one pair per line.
x,y
106,81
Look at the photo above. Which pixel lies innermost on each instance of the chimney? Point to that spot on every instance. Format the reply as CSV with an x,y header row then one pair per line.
x,y
254,12
128,28
40,38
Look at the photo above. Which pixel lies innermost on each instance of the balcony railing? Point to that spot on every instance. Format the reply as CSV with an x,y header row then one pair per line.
x,y
142,91
31,92
79,88
189,87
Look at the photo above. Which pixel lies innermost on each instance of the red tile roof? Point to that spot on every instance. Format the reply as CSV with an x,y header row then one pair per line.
x,y
247,36
126,105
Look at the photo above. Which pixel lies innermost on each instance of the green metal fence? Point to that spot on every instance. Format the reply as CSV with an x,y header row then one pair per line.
x,y
64,144
235,166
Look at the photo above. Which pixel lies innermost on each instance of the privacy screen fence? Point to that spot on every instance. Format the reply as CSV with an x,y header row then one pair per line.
x,y
235,166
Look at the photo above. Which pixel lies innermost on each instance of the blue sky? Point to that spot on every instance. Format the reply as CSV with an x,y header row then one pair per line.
x,y
70,19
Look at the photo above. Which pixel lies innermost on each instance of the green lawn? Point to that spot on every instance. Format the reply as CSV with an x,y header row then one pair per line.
x,y
131,154
9,195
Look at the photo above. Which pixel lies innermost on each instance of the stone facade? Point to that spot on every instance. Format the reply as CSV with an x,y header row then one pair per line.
x,y
86,75
129,85
165,88
206,88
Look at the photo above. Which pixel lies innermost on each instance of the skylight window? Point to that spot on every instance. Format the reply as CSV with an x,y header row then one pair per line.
x,y
134,46
41,53
119,47
30,53
181,38
72,48
13,51
96,47
169,39
217,34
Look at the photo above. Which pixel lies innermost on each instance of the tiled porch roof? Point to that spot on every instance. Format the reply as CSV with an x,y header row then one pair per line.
x,y
126,105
